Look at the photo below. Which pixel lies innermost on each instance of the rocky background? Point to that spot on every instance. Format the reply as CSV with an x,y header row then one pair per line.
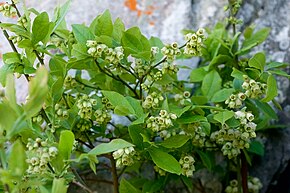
x,y
166,19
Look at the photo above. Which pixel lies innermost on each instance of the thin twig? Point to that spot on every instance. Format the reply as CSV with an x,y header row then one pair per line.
x,y
99,180
84,143
14,5
82,186
116,78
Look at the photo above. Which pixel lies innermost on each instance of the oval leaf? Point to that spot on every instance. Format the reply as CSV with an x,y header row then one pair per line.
x,y
175,141
165,161
114,145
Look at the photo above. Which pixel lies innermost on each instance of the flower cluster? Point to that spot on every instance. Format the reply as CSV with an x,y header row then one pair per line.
x,y
235,139
197,133
84,125
39,154
233,187
253,88
153,76
85,105
106,103
8,10
61,111
165,134
125,156
69,82
111,55
102,116
154,51
182,98
187,166
152,100
170,51
160,171
161,122
22,21
194,43
254,185
235,100
37,119
16,39
169,68
140,68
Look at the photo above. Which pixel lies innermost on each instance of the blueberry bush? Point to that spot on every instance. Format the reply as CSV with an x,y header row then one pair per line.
x,y
102,97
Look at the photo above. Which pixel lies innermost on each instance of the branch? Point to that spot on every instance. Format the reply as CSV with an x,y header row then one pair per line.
x,y
244,173
114,174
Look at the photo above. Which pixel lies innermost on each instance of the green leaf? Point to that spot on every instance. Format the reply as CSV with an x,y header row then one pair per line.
x,y
126,187
8,117
136,44
102,25
222,95
165,161
40,27
275,65
258,61
257,147
220,59
177,110
10,92
266,109
114,145
57,66
59,185
237,74
81,64
38,90
153,186
140,119
187,181
118,29
60,14
175,141
121,104
211,84
82,33
136,105
279,72
223,116
66,143
11,58
248,158
80,51
17,159
19,125
199,100
135,134
272,90
197,75
207,159
17,29
254,40
190,118
206,127
4,71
